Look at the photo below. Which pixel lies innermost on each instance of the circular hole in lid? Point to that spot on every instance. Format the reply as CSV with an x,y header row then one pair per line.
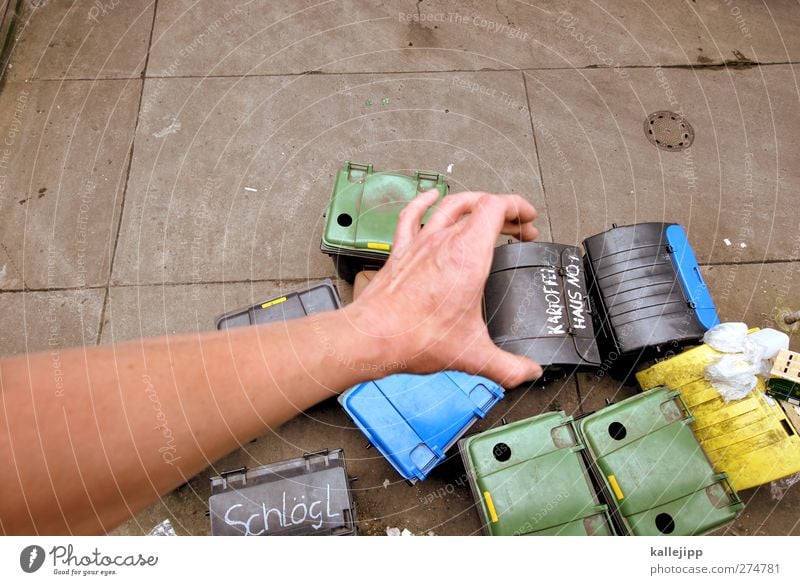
x,y
344,220
501,452
617,431
665,523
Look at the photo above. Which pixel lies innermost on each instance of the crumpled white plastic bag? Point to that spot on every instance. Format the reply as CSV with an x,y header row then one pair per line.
x,y
733,375
393,531
727,337
163,529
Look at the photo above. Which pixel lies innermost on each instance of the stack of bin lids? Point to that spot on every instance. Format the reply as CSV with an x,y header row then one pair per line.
x,y
362,214
536,305
413,420
309,495
653,468
750,439
316,298
647,287
529,478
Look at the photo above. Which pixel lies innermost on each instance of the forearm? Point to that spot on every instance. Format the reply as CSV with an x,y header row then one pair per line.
x,y
91,435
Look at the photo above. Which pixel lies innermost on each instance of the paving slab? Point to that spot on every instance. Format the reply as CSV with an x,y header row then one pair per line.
x,y
733,189
63,164
82,39
442,503
230,177
135,312
769,510
45,321
758,294
214,38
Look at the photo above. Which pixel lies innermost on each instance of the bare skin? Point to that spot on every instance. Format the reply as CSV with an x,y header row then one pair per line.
x,y
88,441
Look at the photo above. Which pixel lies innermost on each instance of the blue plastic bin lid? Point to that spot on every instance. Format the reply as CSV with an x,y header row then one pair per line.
x,y
412,420
689,275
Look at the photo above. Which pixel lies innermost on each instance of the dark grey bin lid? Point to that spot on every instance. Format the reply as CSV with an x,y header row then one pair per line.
x,y
309,495
635,284
535,304
316,298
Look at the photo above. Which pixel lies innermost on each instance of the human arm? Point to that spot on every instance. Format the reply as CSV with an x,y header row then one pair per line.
x,y
93,440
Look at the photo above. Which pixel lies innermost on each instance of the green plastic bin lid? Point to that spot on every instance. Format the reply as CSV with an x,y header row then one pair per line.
x,y
596,525
528,477
364,207
619,425
653,468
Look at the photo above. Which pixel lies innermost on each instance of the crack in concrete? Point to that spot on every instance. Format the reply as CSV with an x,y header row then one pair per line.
x,y
503,14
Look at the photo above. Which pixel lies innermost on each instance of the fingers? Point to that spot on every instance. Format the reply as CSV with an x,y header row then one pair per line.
x,y
516,214
505,368
408,222
510,212
452,208
525,232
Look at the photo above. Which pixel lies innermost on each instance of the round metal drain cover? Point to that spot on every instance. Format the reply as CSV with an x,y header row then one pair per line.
x,y
668,131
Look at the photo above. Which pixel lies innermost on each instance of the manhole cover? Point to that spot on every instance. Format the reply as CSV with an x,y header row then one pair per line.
x,y
668,131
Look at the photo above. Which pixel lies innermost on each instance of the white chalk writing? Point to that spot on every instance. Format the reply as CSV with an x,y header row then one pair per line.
x,y
559,316
553,298
575,300
301,512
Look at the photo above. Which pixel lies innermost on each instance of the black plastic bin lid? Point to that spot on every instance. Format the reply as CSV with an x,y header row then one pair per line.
x,y
535,304
635,279
315,298
306,496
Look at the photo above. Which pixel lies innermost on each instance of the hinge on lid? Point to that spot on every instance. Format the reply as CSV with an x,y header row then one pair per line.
x,y
691,305
232,475
670,249
427,176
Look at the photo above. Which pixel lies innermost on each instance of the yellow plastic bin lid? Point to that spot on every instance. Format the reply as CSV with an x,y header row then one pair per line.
x,y
749,439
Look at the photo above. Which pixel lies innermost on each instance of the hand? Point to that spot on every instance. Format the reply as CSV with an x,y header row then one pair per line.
x,y
425,304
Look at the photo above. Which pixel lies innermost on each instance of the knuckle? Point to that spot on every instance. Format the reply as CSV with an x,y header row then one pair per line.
x,y
488,202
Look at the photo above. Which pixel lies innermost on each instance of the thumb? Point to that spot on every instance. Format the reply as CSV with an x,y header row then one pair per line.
x,y
507,369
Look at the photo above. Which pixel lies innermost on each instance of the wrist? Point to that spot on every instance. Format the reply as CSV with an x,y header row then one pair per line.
x,y
369,350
